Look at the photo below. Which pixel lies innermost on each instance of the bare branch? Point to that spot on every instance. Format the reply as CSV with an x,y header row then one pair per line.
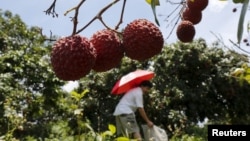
x,y
219,38
99,16
122,13
50,39
75,18
182,2
238,46
178,17
52,10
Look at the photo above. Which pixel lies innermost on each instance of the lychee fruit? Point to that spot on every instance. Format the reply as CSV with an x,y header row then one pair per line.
x,y
142,40
108,48
185,31
193,16
72,57
197,5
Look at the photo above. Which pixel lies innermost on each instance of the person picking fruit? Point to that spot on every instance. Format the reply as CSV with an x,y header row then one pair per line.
x,y
125,110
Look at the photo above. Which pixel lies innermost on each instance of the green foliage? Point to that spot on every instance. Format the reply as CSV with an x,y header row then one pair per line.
x,y
28,88
192,82
186,137
238,1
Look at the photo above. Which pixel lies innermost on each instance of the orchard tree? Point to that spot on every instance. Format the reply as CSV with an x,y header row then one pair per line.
x,y
193,82
29,91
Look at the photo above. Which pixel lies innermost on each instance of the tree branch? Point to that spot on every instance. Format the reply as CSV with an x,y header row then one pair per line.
x,y
177,16
99,16
51,10
236,45
121,18
75,18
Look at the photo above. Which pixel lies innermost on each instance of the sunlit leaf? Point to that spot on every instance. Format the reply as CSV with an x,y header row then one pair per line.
x,y
88,126
112,128
122,139
247,71
241,20
238,72
153,6
247,78
75,95
247,74
107,133
78,111
84,93
157,2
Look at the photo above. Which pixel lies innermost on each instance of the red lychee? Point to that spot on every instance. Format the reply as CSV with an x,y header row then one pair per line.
x,y
142,40
193,16
185,31
108,50
72,57
197,5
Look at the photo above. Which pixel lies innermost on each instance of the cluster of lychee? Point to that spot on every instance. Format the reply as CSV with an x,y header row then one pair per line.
x,y
191,14
75,56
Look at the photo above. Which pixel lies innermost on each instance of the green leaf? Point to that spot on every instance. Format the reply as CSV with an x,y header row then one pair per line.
x,y
247,71
84,93
78,96
153,6
157,2
238,1
241,20
112,128
122,139
247,78
107,133
75,95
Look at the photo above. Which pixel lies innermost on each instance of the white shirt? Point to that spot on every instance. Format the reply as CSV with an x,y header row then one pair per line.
x,y
129,103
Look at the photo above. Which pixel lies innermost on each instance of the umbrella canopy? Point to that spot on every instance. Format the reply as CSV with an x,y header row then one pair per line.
x,y
131,80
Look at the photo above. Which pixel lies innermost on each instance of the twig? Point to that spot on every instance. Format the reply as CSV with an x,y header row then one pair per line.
x,y
239,47
99,16
171,13
51,10
220,40
173,28
182,2
51,37
75,18
45,37
178,18
121,18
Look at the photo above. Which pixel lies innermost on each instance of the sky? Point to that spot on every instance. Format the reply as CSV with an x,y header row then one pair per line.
x,y
217,19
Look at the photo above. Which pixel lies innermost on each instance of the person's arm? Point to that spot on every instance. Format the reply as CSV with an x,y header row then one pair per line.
x,y
145,117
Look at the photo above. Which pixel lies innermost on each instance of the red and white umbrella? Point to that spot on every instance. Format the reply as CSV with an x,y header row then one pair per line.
x,y
131,80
